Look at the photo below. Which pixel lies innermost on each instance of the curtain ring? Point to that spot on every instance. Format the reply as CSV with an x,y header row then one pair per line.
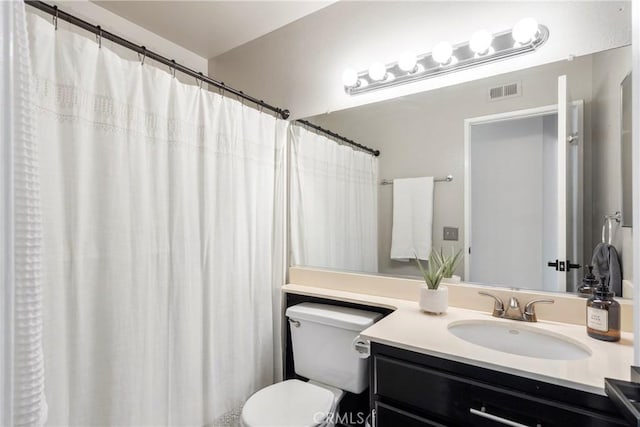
x,y
261,106
200,80
55,17
221,89
99,36
172,67
144,55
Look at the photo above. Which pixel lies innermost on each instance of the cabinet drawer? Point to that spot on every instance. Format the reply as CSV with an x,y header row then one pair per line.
x,y
388,416
461,400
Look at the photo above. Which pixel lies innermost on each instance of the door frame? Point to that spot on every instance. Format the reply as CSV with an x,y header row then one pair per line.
x,y
494,118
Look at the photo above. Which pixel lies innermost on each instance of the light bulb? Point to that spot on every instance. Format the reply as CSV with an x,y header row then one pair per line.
x,y
480,41
442,52
350,77
525,30
407,62
377,71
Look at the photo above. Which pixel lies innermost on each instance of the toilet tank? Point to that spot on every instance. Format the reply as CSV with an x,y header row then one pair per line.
x,y
322,337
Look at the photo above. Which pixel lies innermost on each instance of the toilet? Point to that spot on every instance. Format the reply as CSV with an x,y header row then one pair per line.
x,y
327,351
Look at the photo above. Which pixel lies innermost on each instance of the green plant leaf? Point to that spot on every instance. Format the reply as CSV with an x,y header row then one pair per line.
x,y
433,275
424,273
448,262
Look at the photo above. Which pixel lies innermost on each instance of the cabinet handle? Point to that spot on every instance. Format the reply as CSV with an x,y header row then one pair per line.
x,y
496,418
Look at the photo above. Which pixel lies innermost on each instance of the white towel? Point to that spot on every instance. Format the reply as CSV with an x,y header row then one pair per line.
x,y
412,218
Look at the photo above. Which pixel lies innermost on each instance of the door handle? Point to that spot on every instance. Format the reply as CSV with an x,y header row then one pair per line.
x,y
482,413
571,266
558,265
563,265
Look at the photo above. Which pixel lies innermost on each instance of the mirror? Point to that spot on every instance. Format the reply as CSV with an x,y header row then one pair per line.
x,y
498,138
626,151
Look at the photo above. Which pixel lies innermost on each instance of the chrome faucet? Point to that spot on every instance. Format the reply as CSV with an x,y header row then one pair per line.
x,y
514,311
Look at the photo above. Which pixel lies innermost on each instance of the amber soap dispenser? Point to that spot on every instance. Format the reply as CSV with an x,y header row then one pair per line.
x,y
603,314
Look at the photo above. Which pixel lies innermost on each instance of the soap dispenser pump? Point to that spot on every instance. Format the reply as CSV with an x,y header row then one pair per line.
x,y
603,314
589,284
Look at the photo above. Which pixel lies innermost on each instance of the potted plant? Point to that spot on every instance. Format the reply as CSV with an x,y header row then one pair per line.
x,y
449,263
434,298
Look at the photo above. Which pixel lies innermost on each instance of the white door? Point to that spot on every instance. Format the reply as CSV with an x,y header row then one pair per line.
x,y
523,196
569,189
560,263
511,209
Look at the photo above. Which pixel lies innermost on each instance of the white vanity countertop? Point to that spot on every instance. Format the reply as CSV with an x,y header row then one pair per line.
x,y
411,329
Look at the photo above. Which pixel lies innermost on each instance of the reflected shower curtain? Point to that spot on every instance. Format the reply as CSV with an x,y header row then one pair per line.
x,y
161,205
334,193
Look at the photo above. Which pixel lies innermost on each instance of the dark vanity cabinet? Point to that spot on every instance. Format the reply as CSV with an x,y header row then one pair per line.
x,y
412,389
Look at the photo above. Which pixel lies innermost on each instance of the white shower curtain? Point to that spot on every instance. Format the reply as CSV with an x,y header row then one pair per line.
x,y
161,208
22,400
334,193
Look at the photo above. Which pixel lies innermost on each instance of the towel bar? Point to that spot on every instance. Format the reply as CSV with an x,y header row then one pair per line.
x,y
448,178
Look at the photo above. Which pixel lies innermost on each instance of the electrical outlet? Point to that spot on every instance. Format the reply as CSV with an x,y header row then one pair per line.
x,y
450,233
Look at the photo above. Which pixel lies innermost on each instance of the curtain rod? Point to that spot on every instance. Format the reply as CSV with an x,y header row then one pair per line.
x,y
340,137
97,30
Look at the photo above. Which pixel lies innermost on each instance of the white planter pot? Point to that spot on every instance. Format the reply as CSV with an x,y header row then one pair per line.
x,y
434,300
452,279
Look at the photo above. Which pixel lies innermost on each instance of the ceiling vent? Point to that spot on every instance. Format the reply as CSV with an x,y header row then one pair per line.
x,y
509,90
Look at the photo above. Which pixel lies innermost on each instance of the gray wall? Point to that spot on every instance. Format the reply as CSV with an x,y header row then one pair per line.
x,y
609,69
423,135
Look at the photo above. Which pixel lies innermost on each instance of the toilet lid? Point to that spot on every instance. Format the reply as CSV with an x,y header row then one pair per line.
x,y
291,403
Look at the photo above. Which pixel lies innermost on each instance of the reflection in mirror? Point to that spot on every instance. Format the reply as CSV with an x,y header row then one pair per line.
x,y
626,150
511,204
333,201
524,203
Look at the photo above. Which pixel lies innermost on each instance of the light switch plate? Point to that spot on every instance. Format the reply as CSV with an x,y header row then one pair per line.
x,y
450,233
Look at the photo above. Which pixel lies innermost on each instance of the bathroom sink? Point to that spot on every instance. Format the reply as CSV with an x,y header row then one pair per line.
x,y
520,339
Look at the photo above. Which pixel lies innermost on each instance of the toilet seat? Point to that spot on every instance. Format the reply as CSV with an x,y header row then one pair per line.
x,y
291,403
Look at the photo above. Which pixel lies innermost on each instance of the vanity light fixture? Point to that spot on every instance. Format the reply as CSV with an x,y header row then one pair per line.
x,y
443,53
408,62
480,43
377,72
525,30
350,77
483,47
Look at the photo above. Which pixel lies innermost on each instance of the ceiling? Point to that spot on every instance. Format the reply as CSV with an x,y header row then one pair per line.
x,y
210,28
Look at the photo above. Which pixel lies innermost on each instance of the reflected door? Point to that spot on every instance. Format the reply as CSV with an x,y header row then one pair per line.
x,y
513,201
569,189
522,191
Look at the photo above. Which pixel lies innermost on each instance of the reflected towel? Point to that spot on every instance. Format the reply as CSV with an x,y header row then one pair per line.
x,y
606,262
412,218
